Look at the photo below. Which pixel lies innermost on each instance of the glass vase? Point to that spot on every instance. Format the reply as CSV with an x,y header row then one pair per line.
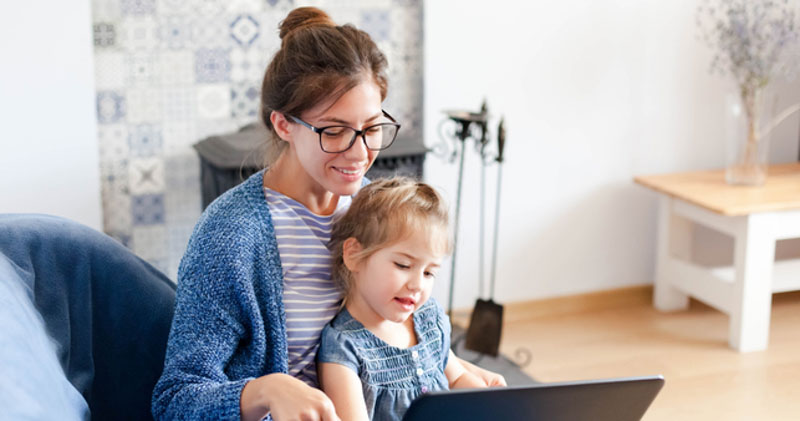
x,y
748,115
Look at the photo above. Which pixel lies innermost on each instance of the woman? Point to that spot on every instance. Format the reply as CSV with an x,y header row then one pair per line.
x,y
254,288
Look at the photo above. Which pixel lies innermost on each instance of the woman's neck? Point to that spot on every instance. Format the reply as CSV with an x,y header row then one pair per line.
x,y
288,177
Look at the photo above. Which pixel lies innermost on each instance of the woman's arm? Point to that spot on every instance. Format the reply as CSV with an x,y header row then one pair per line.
x,y
458,377
343,386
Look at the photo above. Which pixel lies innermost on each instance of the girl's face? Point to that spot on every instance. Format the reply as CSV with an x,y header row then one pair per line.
x,y
396,280
338,173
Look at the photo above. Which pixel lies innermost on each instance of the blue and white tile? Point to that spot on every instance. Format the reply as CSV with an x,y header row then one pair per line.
x,y
210,7
150,242
178,235
213,101
148,209
248,65
247,6
112,140
178,103
138,7
280,5
212,65
245,100
105,11
244,30
177,68
139,34
109,70
174,7
211,32
145,140
143,69
216,127
182,192
115,197
104,35
111,107
146,176
376,23
144,105
269,42
406,25
179,136
175,32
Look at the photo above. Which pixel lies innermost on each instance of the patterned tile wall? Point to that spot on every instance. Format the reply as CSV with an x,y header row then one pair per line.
x,y
172,72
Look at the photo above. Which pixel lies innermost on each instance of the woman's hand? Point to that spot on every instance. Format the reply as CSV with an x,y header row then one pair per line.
x,y
286,399
491,378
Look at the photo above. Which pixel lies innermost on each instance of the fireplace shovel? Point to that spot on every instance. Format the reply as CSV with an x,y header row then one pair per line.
x,y
486,323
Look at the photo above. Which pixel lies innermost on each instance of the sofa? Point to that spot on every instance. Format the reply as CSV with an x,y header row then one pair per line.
x,y
83,322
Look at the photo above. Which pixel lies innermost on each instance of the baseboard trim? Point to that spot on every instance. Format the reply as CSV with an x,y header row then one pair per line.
x,y
570,304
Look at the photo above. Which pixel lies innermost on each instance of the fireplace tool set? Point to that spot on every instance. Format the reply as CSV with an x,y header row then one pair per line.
x,y
486,322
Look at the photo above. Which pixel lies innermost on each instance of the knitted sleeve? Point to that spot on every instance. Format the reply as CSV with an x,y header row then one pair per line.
x,y
214,315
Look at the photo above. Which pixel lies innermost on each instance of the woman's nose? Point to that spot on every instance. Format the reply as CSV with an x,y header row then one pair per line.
x,y
358,151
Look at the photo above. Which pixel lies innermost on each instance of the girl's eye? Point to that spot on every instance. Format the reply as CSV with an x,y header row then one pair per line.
x,y
401,266
430,274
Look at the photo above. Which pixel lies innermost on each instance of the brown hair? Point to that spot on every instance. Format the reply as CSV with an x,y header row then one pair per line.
x,y
317,61
384,212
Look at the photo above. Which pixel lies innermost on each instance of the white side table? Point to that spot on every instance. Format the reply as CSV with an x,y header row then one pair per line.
x,y
756,217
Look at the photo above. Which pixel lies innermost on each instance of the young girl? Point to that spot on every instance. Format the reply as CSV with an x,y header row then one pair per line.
x,y
390,343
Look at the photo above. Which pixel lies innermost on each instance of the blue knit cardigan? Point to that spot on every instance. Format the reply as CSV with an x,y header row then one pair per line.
x,y
229,324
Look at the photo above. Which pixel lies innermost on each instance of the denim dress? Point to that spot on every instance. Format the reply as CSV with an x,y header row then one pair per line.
x,y
391,377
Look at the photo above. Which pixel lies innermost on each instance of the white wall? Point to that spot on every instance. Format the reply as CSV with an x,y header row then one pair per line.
x,y
594,93
48,148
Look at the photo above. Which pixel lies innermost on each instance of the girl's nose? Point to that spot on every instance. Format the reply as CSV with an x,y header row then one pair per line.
x,y
415,283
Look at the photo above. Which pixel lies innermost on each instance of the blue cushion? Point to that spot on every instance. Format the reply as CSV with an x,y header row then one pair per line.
x,y
33,385
109,311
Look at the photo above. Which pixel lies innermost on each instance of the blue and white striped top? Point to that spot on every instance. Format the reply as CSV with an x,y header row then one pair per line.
x,y
309,295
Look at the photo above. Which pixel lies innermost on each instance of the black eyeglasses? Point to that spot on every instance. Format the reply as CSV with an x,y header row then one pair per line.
x,y
337,139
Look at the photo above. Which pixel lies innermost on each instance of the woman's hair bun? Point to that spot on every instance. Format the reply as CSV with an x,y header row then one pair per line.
x,y
304,17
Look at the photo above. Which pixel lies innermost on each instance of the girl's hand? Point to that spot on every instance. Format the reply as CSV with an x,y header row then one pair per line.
x,y
491,378
286,399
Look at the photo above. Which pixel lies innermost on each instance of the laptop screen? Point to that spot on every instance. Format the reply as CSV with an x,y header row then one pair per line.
x,y
621,399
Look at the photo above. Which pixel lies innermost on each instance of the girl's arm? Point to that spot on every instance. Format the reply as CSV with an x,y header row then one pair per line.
x,y
343,386
489,378
458,377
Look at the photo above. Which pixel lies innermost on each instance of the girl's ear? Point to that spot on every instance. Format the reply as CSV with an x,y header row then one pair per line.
x,y
350,249
281,124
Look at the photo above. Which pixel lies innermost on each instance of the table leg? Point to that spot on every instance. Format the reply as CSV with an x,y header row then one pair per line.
x,y
677,232
752,298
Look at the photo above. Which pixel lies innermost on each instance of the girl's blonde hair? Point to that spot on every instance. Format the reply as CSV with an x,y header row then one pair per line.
x,y
384,212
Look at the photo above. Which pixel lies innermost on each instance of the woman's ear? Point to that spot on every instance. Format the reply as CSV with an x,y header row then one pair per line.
x,y
281,125
350,250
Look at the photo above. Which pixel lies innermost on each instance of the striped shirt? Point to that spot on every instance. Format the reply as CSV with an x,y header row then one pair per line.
x,y
309,295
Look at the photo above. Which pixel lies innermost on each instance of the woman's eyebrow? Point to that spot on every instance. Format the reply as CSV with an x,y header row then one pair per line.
x,y
347,123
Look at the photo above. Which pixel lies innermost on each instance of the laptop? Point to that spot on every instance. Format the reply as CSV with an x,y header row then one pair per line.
x,y
619,399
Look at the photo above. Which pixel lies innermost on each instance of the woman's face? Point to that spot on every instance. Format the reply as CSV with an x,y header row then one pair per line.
x,y
339,173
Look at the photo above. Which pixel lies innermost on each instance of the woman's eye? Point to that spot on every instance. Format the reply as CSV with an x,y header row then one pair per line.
x,y
334,132
430,274
401,266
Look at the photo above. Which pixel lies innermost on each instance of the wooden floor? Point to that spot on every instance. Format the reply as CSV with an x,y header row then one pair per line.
x,y
705,379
